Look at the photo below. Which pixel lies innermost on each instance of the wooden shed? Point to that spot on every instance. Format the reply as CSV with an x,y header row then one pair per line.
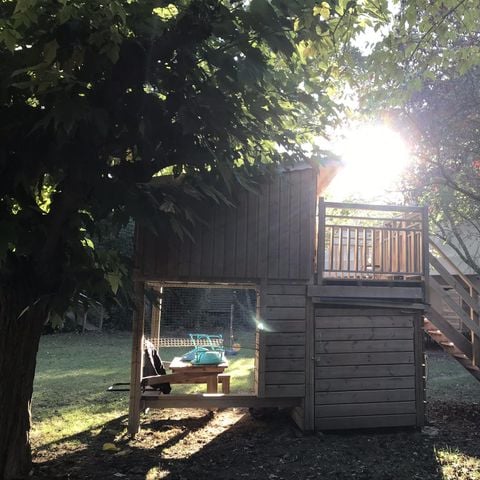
x,y
343,295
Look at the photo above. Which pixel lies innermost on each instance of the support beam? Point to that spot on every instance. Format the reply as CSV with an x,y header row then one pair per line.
x,y
309,404
137,359
156,315
261,348
219,400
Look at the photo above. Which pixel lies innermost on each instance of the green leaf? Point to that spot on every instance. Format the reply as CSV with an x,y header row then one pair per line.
x,y
114,280
50,51
323,9
65,14
10,38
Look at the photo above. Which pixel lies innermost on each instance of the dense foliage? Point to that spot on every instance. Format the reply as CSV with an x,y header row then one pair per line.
x,y
444,121
425,79
96,98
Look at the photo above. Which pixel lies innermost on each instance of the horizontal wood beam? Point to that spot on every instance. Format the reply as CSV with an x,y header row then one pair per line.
x,y
382,208
374,292
154,400
368,302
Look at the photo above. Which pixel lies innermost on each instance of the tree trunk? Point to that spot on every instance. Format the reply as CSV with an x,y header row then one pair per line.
x,y
20,331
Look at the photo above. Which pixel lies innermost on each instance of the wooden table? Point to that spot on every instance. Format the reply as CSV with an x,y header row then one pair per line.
x,y
185,372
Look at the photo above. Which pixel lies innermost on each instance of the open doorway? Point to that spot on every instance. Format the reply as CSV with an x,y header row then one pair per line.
x,y
177,314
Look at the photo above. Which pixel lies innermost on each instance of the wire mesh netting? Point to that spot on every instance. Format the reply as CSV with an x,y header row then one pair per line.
x,y
228,312
221,311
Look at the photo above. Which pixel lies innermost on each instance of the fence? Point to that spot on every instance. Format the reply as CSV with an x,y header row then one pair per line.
x,y
374,242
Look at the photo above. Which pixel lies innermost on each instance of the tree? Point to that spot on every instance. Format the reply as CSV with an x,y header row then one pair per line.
x,y
425,75
444,119
96,98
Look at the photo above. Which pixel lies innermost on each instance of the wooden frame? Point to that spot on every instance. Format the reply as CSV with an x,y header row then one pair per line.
x,y
137,359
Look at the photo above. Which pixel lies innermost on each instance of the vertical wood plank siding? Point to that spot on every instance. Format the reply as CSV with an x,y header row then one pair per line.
x,y
268,234
366,372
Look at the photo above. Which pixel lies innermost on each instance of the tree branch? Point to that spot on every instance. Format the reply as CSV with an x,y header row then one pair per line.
x,y
434,26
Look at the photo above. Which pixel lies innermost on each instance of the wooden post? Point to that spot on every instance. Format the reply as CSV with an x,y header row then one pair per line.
x,y
156,317
474,338
309,403
419,369
137,359
261,341
425,255
212,384
365,253
85,318
102,317
321,241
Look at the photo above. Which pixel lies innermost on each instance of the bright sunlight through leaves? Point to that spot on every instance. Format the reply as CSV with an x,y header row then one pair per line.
x,y
374,158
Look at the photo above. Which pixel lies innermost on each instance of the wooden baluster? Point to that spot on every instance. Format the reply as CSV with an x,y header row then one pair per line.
x,y
380,244
322,240
373,252
397,251
474,338
364,267
348,252
355,261
332,247
407,251
340,251
390,249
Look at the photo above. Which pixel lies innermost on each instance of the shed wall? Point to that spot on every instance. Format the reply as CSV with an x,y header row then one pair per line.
x,y
368,368
268,234
284,340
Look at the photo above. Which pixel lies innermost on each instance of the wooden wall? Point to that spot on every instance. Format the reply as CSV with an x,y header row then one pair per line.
x,y
269,234
368,368
283,341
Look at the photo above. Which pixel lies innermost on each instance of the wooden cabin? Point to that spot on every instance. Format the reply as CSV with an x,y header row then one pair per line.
x,y
343,297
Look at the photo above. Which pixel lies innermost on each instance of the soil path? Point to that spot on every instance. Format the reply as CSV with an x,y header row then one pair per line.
x,y
197,444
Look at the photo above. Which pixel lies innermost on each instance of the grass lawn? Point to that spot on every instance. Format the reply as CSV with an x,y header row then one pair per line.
x,y
447,380
74,372
74,416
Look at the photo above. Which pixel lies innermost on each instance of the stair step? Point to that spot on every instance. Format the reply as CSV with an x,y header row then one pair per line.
x,y
460,355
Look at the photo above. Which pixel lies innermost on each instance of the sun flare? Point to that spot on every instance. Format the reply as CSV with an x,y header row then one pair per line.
x,y
374,158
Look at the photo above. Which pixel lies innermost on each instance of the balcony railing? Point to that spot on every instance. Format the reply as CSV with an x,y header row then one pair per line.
x,y
372,242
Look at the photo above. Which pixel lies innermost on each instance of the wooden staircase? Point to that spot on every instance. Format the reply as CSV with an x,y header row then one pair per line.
x,y
452,319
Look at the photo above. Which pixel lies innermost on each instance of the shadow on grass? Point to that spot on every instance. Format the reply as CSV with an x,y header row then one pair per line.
x,y
198,444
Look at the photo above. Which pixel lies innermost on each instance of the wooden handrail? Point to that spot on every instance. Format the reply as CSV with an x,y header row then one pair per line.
x,y
384,219
381,208
450,280
455,307
468,295
470,282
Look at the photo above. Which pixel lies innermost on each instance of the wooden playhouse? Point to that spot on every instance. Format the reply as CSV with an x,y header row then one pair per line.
x,y
343,298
